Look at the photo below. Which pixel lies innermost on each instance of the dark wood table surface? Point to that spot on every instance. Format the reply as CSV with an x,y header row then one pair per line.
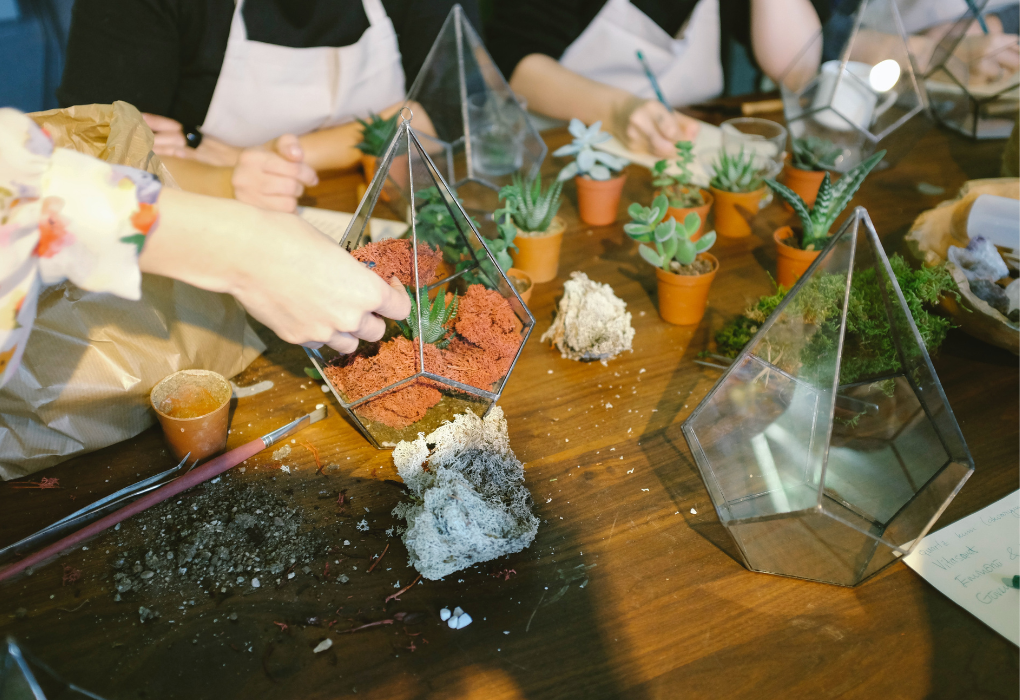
x,y
631,589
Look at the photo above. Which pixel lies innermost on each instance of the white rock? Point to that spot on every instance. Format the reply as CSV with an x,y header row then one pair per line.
x,y
463,621
452,623
444,614
457,612
323,645
255,583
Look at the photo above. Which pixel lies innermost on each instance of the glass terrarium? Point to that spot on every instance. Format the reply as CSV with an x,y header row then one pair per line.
x,y
470,119
865,90
467,326
972,83
828,447
24,677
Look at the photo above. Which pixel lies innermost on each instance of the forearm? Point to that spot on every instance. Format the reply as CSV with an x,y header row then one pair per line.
x,y
196,176
785,37
334,148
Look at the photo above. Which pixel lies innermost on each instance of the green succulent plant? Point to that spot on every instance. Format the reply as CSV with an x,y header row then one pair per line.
x,y
376,134
435,317
597,165
672,241
528,206
737,172
831,201
815,153
678,188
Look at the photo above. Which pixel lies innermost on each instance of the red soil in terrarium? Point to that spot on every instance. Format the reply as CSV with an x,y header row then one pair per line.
x,y
485,319
391,257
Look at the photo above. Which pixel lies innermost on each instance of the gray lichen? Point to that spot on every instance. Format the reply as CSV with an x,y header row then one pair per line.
x,y
470,503
592,323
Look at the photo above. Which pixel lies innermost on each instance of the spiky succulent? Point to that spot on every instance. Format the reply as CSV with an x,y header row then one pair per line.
x,y
597,165
672,241
815,153
376,134
831,201
678,188
737,172
530,208
435,318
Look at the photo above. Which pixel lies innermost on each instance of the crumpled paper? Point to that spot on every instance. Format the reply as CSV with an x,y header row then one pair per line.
x,y
92,358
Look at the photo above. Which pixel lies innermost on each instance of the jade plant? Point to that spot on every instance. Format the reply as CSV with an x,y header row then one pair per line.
x,y
815,153
435,317
682,193
527,206
596,165
737,172
376,134
672,241
830,203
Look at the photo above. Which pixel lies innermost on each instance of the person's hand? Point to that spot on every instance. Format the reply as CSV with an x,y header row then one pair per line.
x,y
170,141
989,58
273,176
652,127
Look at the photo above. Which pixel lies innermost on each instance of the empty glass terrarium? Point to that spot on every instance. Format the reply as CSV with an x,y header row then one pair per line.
x,y
972,83
467,326
865,89
828,447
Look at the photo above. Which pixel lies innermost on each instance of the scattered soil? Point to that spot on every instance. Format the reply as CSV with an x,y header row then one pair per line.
x,y
698,267
391,257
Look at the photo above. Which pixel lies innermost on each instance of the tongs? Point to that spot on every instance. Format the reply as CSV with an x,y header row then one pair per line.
x,y
94,510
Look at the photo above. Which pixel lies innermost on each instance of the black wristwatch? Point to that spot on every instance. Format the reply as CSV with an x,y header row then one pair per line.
x,y
193,136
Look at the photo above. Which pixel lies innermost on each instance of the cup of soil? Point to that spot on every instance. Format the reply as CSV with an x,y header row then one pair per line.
x,y
521,282
791,260
683,293
680,213
733,210
193,407
538,253
598,200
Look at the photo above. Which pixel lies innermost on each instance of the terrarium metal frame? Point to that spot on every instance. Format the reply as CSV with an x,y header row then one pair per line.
x,y
16,660
954,471
368,204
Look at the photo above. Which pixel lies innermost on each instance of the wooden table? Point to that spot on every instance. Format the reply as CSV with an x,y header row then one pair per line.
x,y
631,589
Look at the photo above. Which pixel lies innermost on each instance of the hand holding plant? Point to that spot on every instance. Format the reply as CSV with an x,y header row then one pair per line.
x,y
671,241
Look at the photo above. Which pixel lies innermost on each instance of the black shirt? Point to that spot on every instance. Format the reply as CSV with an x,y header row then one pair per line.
x,y
164,56
518,28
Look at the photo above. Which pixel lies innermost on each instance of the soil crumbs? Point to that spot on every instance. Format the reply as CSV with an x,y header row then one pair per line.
x,y
699,267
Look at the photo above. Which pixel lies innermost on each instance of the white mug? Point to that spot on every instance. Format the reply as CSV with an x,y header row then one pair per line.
x,y
853,103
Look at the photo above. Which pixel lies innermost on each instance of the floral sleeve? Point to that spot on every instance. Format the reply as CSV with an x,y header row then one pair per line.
x,y
63,215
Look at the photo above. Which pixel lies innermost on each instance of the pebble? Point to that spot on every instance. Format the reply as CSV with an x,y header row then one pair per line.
x,y
146,575
255,583
444,614
323,645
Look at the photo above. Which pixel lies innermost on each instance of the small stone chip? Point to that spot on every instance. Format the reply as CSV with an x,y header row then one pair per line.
x,y
323,645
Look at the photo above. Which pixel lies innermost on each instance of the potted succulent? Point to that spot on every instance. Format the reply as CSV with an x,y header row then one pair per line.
x,y
738,187
375,137
796,251
812,157
684,196
598,192
528,220
683,267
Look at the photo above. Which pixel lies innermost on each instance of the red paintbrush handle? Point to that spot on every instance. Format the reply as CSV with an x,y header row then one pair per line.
x,y
196,476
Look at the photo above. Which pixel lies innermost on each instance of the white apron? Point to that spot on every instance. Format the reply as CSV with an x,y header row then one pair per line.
x,y
688,68
264,91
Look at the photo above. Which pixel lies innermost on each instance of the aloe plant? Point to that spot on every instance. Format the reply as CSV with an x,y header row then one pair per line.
x,y
678,188
815,153
528,206
435,317
672,241
595,164
376,134
831,201
737,172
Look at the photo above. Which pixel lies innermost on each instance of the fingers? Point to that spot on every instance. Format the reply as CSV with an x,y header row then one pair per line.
x,y
371,328
301,172
343,343
159,123
647,124
689,127
289,147
395,303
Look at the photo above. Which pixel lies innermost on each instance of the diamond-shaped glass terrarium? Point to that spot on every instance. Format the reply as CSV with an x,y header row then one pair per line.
x,y
468,117
969,88
466,329
828,447
865,89
23,677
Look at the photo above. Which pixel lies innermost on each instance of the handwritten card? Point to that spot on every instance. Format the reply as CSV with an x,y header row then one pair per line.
x,y
973,561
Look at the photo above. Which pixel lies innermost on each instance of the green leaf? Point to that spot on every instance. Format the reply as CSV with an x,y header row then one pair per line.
x,y
661,205
650,255
706,241
665,231
691,223
795,201
137,240
313,373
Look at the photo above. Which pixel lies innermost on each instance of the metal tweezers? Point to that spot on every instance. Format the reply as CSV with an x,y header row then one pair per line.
x,y
95,510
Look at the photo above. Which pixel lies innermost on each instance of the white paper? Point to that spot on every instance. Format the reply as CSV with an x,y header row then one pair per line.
x,y
973,562
706,147
334,224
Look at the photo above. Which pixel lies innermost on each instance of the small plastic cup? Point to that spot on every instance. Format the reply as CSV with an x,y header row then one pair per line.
x,y
193,407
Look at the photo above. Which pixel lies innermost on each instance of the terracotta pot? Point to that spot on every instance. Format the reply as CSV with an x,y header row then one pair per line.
x,y
682,298
514,274
193,407
539,256
598,200
368,164
680,213
791,262
803,182
733,209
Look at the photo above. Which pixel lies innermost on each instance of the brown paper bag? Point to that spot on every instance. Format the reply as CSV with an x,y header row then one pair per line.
x,y
92,358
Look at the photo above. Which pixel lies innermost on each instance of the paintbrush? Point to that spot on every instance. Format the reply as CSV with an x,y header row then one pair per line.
x,y
209,470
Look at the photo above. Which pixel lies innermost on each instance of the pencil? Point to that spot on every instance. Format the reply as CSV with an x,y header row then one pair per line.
x,y
652,80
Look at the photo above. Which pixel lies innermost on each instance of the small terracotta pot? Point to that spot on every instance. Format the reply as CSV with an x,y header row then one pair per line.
x,y
731,210
791,262
368,164
682,298
514,274
680,213
539,256
193,407
804,182
598,200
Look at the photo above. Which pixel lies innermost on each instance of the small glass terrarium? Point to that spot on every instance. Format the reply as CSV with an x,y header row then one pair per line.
x,y
467,326
828,447
973,84
865,89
